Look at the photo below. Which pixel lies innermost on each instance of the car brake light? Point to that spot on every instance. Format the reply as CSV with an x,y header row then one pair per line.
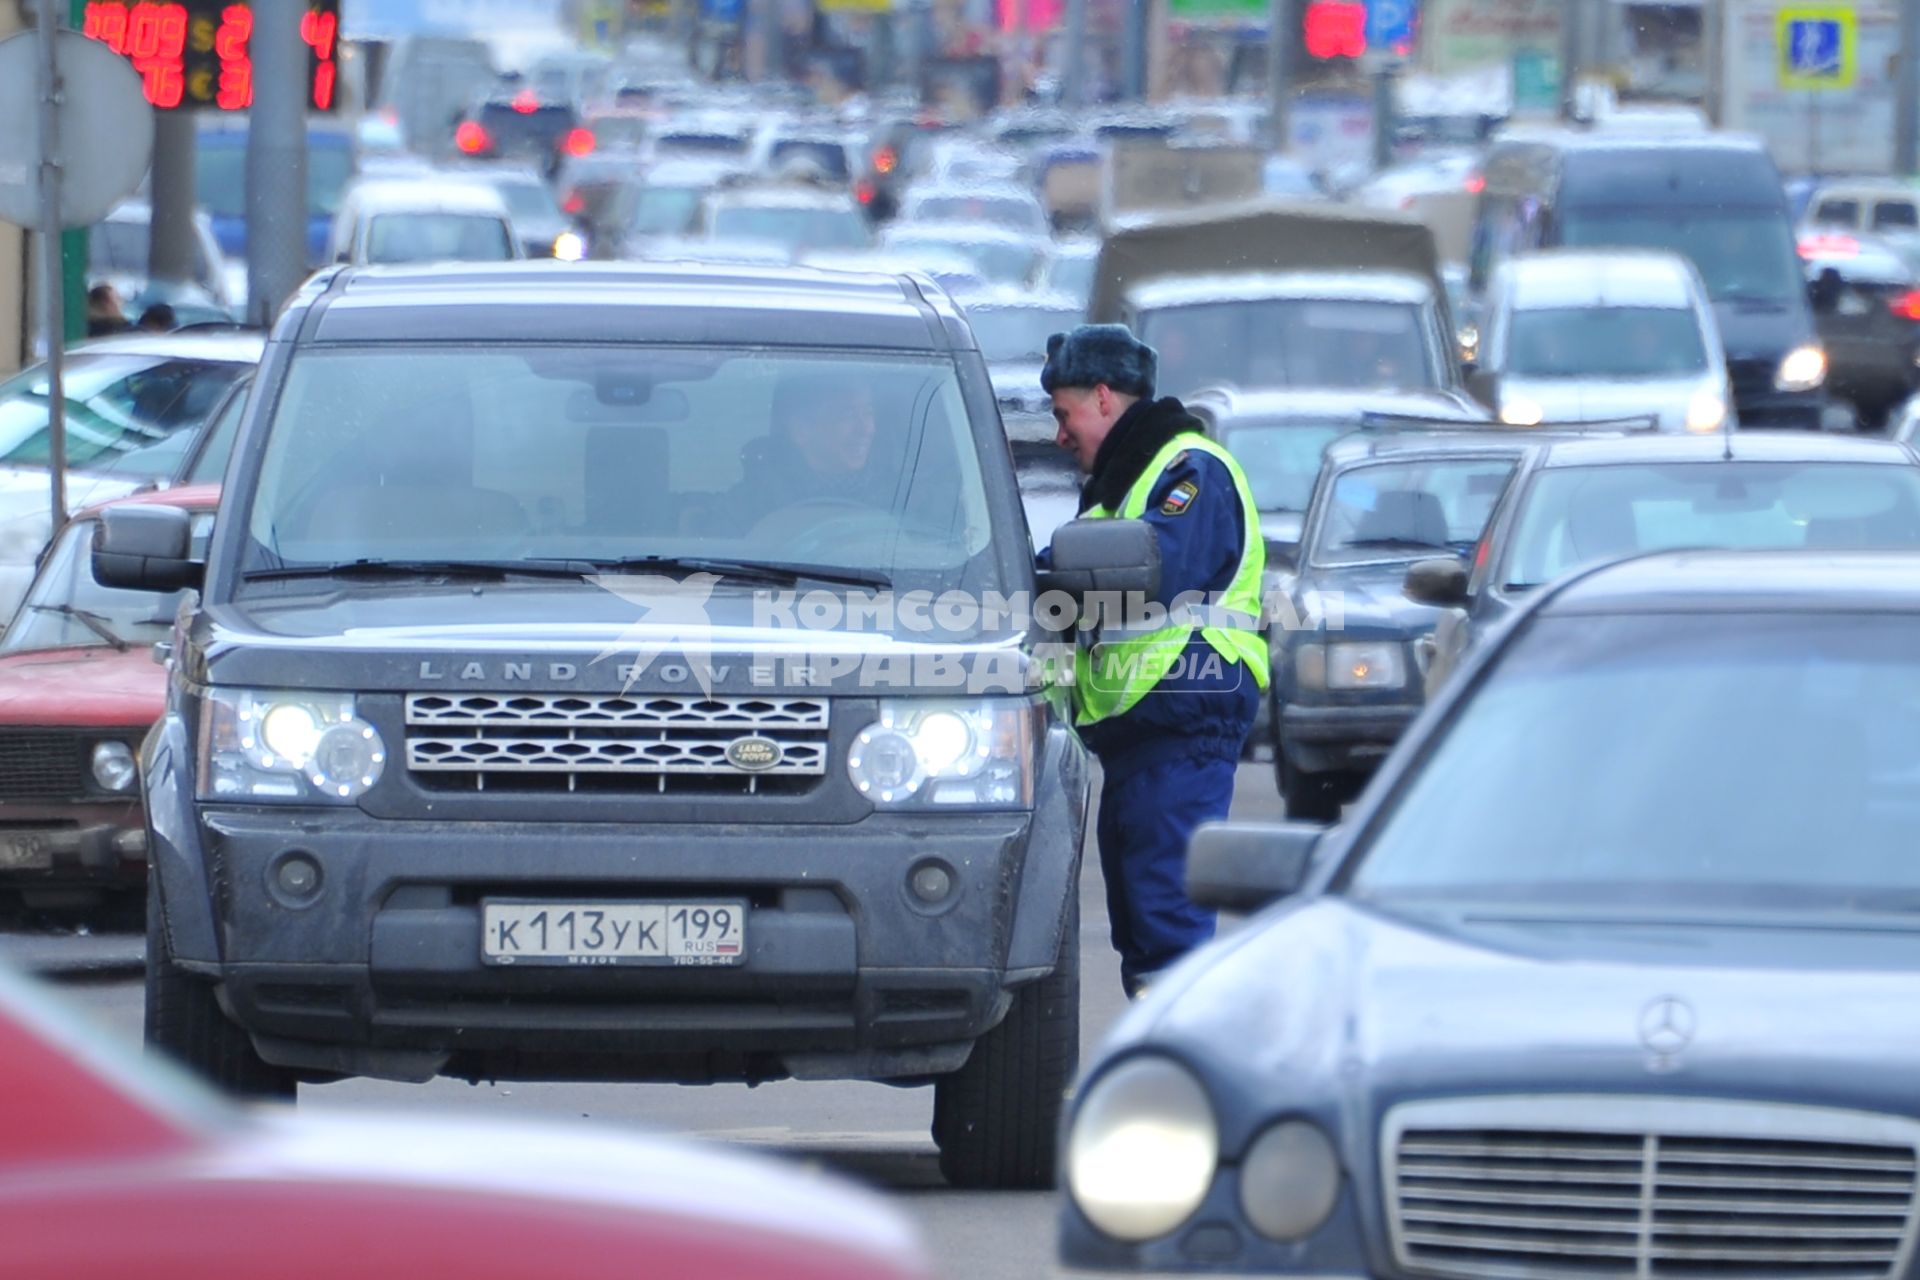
x,y
1476,184
1828,246
1907,305
884,160
579,142
863,191
525,103
575,203
471,138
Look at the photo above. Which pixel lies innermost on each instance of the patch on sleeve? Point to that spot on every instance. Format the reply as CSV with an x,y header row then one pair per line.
x,y
1180,498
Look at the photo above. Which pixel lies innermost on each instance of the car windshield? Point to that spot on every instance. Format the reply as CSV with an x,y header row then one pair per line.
x,y
1742,257
1290,343
538,129
665,211
1572,516
220,177
798,229
117,406
1671,762
1018,333
831,157
999,211
700,144
438,237
1605,342
545,453
65,608
1282,460
530,200
1408,510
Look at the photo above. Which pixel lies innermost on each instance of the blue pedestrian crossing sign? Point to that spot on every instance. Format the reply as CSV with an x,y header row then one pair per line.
x,y
1816,46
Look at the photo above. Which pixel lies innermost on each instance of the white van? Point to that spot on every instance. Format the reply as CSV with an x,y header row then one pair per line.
x,y
426,219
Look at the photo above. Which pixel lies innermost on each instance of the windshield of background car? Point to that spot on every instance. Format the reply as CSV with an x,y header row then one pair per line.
x,y
1742,256
603,453
831,157
530,200
438,237
699,144
1408,510
1605,342
65,588
117,406
798,229
220,177
538,130
1018,333
1572,516
1282,461
665,211
999,211
1293,342
1672,761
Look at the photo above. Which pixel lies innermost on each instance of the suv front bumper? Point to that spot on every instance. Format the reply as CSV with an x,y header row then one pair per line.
x,y
1319,739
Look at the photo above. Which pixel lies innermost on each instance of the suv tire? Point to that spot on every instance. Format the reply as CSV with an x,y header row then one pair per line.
x,y
185,1022
1310,797
997,1119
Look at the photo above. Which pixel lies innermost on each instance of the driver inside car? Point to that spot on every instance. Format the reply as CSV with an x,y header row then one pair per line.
x,y
820,445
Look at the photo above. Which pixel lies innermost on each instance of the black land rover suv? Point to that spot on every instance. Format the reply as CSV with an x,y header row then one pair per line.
x,y
548,713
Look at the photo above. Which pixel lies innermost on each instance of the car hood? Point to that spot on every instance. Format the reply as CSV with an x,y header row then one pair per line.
x,y
1588,400
96,686
1364,601
1365,1009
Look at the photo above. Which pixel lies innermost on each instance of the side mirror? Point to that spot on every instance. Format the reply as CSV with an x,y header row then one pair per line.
x,y
1244,866
144,548
1283,552
1440,582
1103,555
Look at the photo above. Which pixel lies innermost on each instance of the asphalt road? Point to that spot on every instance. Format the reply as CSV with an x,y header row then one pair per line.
x,y
870,1132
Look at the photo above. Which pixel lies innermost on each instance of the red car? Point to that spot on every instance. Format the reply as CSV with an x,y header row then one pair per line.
x,y
79,688
113,1166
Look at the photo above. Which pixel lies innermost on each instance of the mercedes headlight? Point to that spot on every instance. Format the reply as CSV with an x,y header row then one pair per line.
x,y
113,767
1289,1180
287,745
937,754
569,246
1520,412
1142,1149
1350,664
1803,369
1707,411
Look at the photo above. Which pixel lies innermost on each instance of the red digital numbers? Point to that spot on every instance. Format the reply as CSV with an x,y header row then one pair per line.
x,y
199,53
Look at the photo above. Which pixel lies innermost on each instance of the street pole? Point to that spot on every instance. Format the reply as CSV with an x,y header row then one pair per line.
x,y
1279,73
1073,77
1134,50
171,240
74,241
276,161
1906,125
1571,58
52,270
1385,114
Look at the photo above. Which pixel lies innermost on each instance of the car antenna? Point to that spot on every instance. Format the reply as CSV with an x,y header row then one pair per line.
x,y
1726,434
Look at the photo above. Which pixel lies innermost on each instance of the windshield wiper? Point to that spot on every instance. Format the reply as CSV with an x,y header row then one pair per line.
x,y
88,619
778,572
1416,544
486,570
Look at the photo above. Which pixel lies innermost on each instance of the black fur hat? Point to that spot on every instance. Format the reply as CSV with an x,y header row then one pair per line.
x,y
1097,353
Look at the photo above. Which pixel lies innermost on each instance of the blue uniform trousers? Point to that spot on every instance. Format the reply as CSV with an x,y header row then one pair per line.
x,y
1146,817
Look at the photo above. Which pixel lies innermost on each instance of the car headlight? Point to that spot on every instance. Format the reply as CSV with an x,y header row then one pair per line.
x,y
569,246
1351,664
1142,1149
1803,369
1521,413
1707,411
1289,1180
113,767
286,745
937,754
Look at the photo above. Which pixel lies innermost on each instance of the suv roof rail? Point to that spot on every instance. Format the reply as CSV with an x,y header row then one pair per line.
x,y
1381,423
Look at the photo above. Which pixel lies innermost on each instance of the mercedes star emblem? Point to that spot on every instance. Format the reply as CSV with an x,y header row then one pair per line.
x,y
1666,1025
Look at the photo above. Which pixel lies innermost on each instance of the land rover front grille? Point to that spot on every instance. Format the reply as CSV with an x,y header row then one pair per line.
x,y
1655,1189
39,765
642,743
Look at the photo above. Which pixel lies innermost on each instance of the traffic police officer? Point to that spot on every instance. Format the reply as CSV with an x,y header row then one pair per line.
x,y
1167,709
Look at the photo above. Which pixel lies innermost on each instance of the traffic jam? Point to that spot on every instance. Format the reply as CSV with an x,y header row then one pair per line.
x,y
656,639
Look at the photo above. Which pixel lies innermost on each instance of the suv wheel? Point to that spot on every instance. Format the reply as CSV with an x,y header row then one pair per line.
x,y
185,1022
1310,797
997,1119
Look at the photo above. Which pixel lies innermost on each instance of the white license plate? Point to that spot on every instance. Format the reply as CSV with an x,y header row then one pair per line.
x,y
611,933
